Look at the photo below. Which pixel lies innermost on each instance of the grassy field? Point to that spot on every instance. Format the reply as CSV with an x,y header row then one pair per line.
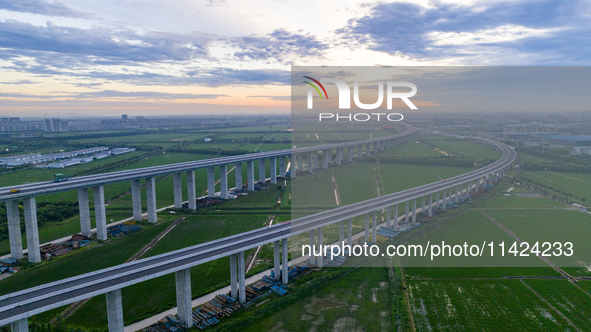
x,y
574,183
469,305
502,201
412,149
471,149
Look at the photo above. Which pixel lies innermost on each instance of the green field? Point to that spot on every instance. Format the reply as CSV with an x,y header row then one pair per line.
x,y
471,149
502,201
574,183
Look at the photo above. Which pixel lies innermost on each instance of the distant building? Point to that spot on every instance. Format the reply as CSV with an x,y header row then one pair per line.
x,y
566,140
124,117
55,125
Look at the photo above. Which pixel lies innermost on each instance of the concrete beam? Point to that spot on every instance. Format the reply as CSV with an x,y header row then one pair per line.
x,y
183,296
273,167
238,175
282,166
100,213
151,200
84,209
285,262
136,200
21,325
178,190
14,229
241,278
115,311
224,181
262,176
191,193
233,277
277,258
250,175
210,182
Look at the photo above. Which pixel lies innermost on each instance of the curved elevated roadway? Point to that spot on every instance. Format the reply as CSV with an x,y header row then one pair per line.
x,y
23,304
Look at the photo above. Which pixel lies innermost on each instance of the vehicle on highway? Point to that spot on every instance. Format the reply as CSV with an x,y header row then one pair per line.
x,y
60,178
14,191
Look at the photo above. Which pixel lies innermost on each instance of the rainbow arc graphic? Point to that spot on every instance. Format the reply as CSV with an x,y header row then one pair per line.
x,y
316,87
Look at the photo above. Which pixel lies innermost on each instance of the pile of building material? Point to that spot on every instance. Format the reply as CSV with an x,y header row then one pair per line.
x,y
122,229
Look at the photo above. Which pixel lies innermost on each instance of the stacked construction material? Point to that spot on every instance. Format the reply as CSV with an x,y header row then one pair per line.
x,y
122,229
208,313
54,249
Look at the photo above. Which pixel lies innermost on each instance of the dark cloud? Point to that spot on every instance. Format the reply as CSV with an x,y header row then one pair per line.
x,y
280,44
403,27
40,7
228,76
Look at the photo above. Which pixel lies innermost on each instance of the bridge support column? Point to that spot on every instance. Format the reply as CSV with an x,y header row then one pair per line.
x,y
210,182
388,216
350,154
367,149
406,216
262,171
312,259
233,277
183,296
430,205
191,194
21,325
250,175
100,213
350,232
360,151
375,147
282,166
238,175
374,227
277,258
178,190
115,311
325,158
423,204
224,181
311,162
437,199
84,209
151,199
300,162
285,262
396,217
14,229
321,256
341,233
136,200
339,156
414,210
273,168
367,227
241,278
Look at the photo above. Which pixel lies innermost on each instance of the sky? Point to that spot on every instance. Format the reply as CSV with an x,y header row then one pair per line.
x,y
77,58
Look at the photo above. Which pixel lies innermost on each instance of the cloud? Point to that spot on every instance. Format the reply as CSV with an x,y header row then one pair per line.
x,y
280,44
281,98
20,82
525,30
114,94
40,7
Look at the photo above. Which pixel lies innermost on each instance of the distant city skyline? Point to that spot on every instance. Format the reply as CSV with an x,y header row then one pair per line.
x,y
94,58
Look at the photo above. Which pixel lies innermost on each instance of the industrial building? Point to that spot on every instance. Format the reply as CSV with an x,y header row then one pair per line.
x,y
565,140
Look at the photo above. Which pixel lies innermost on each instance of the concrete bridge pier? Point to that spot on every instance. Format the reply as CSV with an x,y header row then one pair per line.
x,y
250,175
367,227
20,326
320,240
210,182
406,216
191,193
282,166
430,205
285,260
374,227
350,153
341,233
151,199
367,149
312,259
339,156
241,278
115,311
388,216
183,296
325,158
276,258
350,232
375,147
437,199
396,217
273,169
311,162
100,213
136,200
178,190
360,151
414,210
301,162
224,181
233,276
14,229
84,209
262,176
238,175
423,204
